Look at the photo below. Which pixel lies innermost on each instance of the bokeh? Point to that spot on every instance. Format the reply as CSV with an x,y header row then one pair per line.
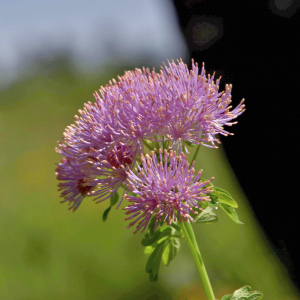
x,y
48,252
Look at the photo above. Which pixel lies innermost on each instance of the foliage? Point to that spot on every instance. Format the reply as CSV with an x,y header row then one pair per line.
x,y
244,293
162,243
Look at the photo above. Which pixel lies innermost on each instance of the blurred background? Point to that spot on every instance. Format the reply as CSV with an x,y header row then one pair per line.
x,y
55,54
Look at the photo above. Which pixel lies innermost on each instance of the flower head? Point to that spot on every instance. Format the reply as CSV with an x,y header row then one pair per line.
x,y
175,104
111,170
77,181
94,173
167,189
193,107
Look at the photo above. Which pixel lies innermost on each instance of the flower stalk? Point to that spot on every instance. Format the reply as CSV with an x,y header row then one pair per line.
x,y
192,242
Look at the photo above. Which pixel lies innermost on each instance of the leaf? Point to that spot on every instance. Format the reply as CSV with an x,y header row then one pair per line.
x,y
105,214
151,226
226,297
244,293
170,251
190,144
165,234
149,249
225,197
207,216
153,262
231,212
157,236
157,259
149,144
214,197
153,279
147,240
175,226
114,199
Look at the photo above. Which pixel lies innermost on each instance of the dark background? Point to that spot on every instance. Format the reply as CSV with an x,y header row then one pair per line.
x,y
255,46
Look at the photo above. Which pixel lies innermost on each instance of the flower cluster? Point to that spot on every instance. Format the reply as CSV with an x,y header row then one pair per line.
x,y
167,189
167,108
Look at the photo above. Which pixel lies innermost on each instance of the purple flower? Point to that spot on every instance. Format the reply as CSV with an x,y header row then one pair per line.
x,y
133,105
77,181
167,189
112,169
98,174
100,149
92,134
193,108
125,112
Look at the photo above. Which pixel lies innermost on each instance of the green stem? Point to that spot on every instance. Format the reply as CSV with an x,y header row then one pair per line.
x,y
196,153
148,146
157,143
191,240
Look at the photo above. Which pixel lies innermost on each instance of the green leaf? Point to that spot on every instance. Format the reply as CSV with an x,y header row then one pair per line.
x,y
147,240
201,204
226,297
153,279
231,212
157,259
158,236
114,199
207,216
149,144
151,226
153,262
149,249
105,214
175,226
190,144
244,293
214,196
165,234
170,251
225,197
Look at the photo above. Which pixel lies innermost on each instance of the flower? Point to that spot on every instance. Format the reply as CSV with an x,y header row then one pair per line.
x,y
133,106
193,108
112,169
167,189
77,181
98,174
176,104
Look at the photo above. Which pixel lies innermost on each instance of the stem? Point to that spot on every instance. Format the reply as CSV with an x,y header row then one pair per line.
x,y
191,240
196,153
148,146
157,143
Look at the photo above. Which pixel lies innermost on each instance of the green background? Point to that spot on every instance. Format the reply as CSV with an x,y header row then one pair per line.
x,y
48,252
